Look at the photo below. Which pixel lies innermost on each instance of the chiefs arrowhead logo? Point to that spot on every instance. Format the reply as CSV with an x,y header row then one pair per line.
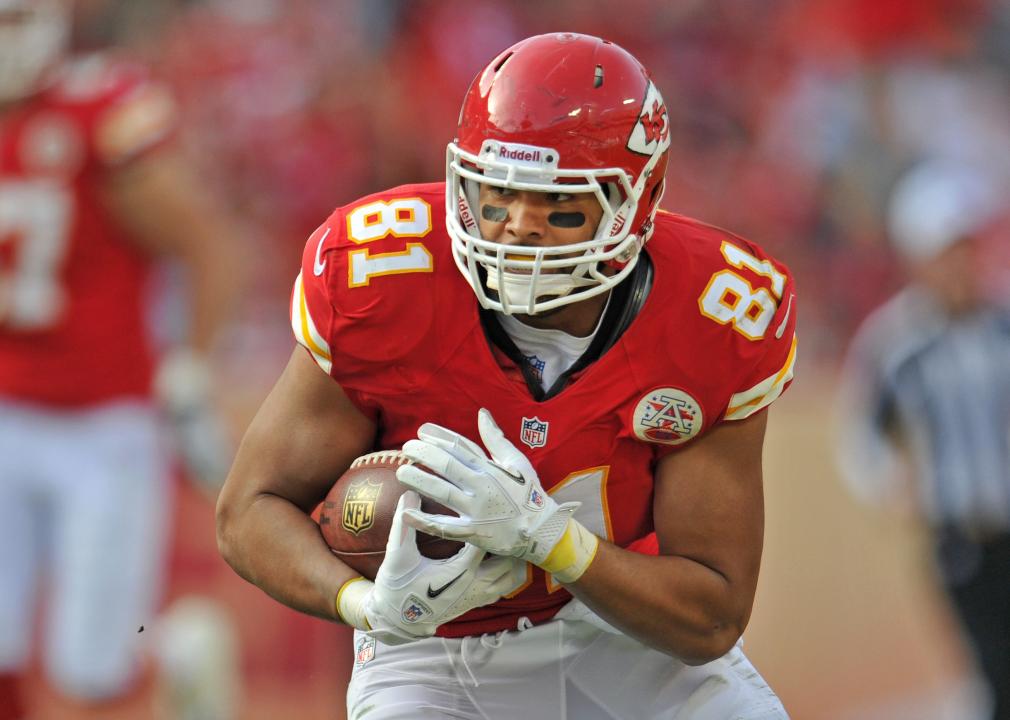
x,y
652,131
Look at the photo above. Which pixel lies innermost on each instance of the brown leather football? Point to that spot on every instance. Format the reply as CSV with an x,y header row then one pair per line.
x,y
358,510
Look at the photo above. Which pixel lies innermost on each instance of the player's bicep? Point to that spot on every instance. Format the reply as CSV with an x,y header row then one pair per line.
x,y
709,504
305,434
161,202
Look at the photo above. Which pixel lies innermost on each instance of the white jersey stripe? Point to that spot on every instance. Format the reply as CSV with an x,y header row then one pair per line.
x,y
305,330
744,404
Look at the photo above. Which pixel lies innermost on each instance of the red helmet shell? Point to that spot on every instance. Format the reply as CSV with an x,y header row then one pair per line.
x,y
585,97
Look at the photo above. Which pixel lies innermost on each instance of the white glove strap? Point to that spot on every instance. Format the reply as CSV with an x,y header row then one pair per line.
x,y
351,602
572,554
545,537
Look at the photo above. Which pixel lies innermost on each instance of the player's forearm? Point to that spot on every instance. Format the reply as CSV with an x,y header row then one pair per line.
x,y
275,546
215,284
673,604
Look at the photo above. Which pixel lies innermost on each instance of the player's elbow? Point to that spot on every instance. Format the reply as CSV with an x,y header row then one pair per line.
x,y
709,634
710,644
226,528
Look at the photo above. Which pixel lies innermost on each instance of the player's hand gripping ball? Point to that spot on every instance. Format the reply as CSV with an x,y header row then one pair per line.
x,y
497,499
358,511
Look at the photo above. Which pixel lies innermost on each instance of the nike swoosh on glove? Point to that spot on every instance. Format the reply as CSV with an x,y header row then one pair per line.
x,y
412,595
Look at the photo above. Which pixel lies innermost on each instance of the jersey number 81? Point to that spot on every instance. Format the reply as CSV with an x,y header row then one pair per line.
x,y
730,299
405,217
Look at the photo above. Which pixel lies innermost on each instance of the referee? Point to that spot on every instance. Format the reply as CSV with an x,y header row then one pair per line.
x,y
927,382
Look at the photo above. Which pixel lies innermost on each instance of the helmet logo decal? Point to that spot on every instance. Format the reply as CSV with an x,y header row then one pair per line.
x,y
668,416
652,131
655,123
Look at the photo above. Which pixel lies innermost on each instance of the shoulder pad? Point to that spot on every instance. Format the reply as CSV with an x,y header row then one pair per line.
x,y
368,286
126,110
741,306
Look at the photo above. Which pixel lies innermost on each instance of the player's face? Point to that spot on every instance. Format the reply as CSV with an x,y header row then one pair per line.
x,y
537,219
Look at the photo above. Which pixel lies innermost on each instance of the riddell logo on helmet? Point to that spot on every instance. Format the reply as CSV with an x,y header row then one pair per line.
x,y
516,153
465,216
618,223
519,154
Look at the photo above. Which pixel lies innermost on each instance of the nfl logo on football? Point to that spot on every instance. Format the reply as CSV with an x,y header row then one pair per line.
x,y
359,506
534,432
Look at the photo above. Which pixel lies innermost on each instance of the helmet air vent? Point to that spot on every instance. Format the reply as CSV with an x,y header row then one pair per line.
x,y
501,63
598,77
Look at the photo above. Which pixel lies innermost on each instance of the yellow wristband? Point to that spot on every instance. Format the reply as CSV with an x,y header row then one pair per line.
x,y
573,553
350,602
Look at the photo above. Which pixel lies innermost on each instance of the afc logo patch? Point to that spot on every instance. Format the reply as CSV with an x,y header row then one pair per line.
x,y
668,416
359,506
533,432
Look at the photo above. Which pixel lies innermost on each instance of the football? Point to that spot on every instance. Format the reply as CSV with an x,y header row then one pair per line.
x,y
358,511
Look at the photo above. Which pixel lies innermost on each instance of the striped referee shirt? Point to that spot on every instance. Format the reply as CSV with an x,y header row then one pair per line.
x,y
939,387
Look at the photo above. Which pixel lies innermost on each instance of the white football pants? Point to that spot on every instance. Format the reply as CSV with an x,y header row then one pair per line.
x,y
83,514
565,669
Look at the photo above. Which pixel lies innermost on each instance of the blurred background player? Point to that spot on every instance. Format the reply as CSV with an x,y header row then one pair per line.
x,y
928,381
91,195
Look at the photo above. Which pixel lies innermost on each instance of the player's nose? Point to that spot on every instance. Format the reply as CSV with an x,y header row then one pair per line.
x,y
527,221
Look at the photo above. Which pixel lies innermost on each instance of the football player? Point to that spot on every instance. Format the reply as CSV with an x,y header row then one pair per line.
x,y
91,192
584,378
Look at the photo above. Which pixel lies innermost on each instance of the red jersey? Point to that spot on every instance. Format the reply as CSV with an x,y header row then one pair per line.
x,y
383,309
71,282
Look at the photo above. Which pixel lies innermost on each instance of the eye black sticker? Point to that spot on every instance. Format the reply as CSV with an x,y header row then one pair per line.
x,y
567,219
492,213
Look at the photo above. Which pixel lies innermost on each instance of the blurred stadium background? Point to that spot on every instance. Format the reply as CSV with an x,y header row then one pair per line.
x,y
791,121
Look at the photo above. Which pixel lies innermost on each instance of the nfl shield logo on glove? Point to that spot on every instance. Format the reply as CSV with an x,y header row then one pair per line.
x,y
534,432
414,610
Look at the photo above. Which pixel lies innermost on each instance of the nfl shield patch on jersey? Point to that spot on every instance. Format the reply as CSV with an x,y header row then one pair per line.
x,y
533,432
364,651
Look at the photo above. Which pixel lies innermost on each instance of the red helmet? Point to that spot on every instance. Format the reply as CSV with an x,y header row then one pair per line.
x,y
560,112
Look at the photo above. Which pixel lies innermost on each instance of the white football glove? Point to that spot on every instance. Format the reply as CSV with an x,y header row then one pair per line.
x,y
503,507
183,387
412,595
